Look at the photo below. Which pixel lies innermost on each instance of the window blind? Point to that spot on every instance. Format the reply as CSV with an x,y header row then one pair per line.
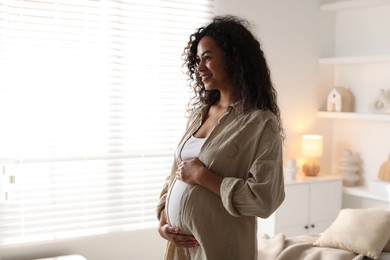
x,y
92,104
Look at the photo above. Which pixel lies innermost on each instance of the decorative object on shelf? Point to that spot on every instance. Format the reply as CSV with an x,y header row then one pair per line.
x,y
290,170
381,103
311,148
340,99
349,168
384,171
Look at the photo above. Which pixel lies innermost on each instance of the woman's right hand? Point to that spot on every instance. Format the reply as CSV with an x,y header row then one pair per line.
x,y
173,235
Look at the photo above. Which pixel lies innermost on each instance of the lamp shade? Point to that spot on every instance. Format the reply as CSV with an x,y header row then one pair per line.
x,y
311,145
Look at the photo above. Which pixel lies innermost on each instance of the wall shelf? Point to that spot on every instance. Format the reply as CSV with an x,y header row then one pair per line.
x,y
363,192
352,4
355,59
359,59
354,116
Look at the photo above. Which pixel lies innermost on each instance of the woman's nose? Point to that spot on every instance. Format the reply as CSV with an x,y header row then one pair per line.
x,y
201,65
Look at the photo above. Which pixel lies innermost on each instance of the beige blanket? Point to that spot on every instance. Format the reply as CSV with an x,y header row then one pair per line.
x,y
300,248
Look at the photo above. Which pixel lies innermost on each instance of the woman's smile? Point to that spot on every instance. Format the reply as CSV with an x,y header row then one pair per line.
x,y
205,77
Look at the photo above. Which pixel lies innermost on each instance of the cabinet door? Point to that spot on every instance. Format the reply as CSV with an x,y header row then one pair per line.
x,y
292,216
325,203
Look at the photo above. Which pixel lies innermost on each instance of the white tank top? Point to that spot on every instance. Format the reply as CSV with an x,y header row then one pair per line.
x,y
179,188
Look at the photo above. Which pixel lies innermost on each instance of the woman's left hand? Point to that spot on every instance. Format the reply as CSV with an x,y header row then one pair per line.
x,y
189,171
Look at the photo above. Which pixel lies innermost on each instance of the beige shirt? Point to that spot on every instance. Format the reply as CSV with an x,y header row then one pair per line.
x,y
246,149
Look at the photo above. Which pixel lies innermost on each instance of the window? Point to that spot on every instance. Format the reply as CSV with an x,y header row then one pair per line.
x,y
92,104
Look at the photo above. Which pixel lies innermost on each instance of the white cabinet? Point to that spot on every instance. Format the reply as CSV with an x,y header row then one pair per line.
x,y
311,205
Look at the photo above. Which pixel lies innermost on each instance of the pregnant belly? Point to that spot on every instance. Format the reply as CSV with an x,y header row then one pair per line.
x,y
173,203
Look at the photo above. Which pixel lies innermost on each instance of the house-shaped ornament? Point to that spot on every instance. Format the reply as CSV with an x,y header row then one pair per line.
x,y
340,99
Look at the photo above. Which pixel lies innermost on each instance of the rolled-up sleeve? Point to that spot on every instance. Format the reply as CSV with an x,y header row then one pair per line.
x,y
263,191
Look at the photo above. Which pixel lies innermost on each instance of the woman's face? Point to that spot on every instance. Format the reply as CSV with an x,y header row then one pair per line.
x,y
211,65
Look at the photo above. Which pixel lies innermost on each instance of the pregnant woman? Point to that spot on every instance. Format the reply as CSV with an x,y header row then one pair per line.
x,y
227,168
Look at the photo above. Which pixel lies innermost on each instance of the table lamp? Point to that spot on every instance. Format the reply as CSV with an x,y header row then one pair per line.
x,y
311,148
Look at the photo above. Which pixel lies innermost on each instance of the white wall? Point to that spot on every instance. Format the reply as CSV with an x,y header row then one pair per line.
x,y
294,35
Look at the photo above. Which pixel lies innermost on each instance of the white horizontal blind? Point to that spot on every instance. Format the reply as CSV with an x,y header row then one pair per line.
x,y
92,103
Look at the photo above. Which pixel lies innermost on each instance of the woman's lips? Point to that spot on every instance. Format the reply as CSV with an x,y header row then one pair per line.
x,y
205,77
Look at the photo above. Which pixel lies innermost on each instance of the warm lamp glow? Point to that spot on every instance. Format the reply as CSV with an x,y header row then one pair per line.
x,y
311,147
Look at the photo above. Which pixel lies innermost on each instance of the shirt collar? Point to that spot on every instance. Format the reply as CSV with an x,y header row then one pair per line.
x,y
236,106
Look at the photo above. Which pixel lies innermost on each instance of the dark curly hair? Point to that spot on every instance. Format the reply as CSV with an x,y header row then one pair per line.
x,y
245,64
